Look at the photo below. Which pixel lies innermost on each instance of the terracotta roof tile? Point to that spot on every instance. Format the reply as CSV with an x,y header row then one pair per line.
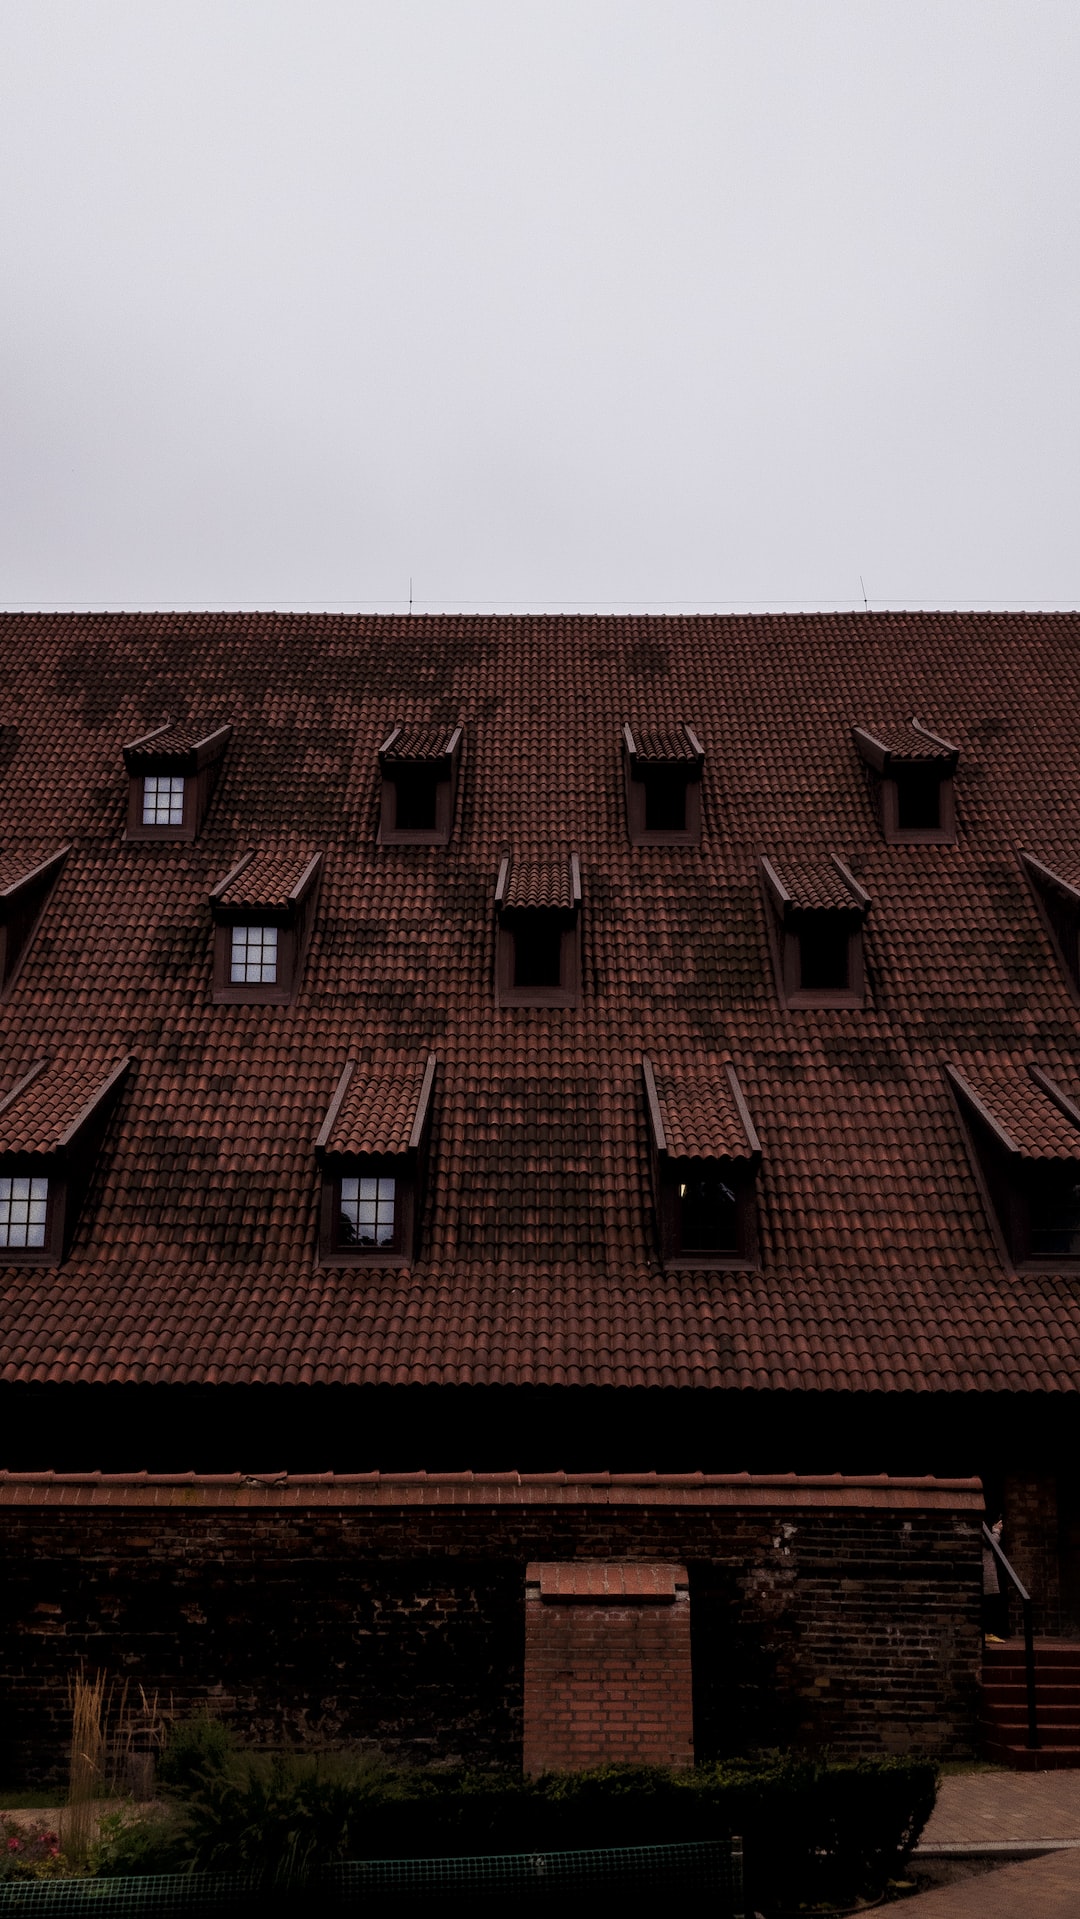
x,y
903,741
413,743
179,739
196,1260
268,880
42,1112
701,1118
538,883
378,1111
663,745
1038,1128
20,858
813,886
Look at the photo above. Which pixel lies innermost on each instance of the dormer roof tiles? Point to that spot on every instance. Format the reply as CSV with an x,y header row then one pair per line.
x,y
908,740
22,860
819,885
271,880
42,1110
660,745
552,884
416,745
378,1112
703,1116
1024,1111
180,742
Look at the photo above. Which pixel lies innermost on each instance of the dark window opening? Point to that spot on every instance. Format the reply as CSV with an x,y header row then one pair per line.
x,y
918,800
538,951
823,957
665,802
416,800
1054,1212
708,1215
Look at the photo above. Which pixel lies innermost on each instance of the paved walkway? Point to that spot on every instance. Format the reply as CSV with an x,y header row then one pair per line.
x,y
1004,1811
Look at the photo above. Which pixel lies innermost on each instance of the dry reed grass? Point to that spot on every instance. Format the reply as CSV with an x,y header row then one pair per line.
x,y
116,1736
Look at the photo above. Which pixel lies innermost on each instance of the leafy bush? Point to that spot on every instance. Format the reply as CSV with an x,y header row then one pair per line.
x,y
196,1749
813,1830
132,1842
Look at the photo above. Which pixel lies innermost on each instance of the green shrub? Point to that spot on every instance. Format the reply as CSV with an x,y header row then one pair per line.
x,y
813,1830
131,1842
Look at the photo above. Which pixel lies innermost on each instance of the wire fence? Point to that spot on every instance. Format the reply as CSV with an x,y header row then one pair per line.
x,y
537,1881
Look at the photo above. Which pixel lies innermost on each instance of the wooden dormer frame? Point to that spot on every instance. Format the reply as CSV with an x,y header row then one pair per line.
x,y
636,775
198,765
443,770
669,1172
1004,1174
787,924
511,921
1057,903
294,919
68,1163
886,772
22,908
408,1169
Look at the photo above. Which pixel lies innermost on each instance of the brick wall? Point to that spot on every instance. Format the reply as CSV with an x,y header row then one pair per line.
x,y
402,1626
1029,1537
607,1666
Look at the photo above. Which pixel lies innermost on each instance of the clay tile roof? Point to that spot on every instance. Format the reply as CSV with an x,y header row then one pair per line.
x,y
378,1111
1037,1127
268,881
195,1257
39,1115
701,1117
663,745
904,741
539,883
175,741
19,860
814,885
418,743
1063,867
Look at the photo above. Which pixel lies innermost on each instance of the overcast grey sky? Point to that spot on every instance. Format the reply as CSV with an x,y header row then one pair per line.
x,y
541,303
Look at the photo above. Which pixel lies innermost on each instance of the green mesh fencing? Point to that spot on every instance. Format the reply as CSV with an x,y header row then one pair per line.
x,y
538,1879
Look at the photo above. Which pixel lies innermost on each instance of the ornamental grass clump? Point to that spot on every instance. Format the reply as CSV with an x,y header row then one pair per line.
x,y
86,1769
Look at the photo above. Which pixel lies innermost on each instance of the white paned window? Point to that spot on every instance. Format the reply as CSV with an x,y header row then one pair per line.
x,y
163,799
367,1212
23,1205
254,955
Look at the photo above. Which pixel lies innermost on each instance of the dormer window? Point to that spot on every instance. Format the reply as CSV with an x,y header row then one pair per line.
x,y
1057,895
815,918
538,936
163,799
26,882
1022,1131
704,1155
52,1124
419,768
263,912
172,774
911,774
372,1152
253,956
662,769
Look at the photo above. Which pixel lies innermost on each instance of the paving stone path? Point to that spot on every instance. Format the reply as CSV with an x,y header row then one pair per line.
x,y
1001,1809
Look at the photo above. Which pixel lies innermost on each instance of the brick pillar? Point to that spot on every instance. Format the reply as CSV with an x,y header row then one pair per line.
x,y
607,1665
1030,1538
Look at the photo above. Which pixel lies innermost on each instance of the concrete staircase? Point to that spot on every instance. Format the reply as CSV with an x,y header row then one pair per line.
x,y
1057,1694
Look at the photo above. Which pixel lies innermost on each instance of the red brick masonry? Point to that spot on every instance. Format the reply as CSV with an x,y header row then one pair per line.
x,y
607,1666
389,1610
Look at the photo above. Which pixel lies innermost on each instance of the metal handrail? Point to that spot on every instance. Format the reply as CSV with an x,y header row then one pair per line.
x,y
1029,1637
